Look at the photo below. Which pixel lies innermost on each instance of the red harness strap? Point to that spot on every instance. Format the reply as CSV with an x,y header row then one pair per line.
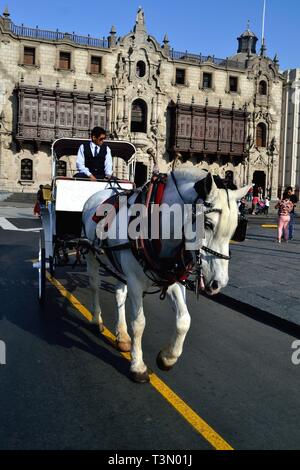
x,y
147,252
113,201
167,271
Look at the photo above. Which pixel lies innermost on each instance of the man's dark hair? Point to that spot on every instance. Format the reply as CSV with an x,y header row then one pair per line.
x,y
41,186
97,131
289,188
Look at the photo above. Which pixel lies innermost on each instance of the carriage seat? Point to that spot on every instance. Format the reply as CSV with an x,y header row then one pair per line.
x,y
70,195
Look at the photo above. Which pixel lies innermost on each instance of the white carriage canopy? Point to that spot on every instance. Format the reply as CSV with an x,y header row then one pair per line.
x,y
66,147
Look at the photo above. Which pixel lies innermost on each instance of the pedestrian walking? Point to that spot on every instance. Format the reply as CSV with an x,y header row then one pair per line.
x,y
249,196
293,198
285,206
255,202
40,201
267,206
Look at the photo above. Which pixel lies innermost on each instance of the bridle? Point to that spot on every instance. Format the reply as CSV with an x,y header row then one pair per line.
x,y
210,210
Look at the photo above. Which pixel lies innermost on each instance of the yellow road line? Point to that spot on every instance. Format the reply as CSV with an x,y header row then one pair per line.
x,y
181,407
269,226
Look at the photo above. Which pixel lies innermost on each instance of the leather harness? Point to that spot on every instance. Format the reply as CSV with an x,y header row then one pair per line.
x,y
163,272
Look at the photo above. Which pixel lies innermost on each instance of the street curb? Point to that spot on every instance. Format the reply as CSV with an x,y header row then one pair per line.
x,y
257,314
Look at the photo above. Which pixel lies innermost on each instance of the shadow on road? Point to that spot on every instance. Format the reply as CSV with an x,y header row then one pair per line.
x,y
58,322
59,326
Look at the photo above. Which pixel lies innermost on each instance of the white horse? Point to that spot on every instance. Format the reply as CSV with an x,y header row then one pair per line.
x,y
220,224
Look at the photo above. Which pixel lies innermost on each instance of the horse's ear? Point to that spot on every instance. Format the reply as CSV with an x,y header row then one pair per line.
x,y
240,193
205,186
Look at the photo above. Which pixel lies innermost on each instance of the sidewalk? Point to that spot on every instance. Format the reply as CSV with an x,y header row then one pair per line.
x,y
17,210
265,274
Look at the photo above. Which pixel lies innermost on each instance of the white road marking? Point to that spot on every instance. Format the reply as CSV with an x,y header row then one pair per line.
x,y
6,225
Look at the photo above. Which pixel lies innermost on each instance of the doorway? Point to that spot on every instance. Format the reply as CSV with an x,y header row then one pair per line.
x,y
259,179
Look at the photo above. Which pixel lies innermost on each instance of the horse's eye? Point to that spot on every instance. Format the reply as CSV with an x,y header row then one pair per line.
x,y
208,225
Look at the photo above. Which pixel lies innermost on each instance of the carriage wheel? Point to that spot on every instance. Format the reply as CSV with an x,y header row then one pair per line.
x,y
42,269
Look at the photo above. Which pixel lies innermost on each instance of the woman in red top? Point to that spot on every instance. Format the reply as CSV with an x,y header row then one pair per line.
x,y
285,207
255,201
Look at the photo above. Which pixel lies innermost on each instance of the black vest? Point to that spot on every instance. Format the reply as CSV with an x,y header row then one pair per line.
x,y
96,165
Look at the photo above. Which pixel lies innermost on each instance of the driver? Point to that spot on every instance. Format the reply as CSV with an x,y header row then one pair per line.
x,y
94,160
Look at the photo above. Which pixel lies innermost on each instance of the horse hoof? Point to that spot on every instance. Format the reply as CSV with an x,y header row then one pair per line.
x,y
124,346
160,363
140,378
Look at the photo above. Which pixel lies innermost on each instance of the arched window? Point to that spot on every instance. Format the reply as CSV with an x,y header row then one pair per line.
x,y
262,88
139,116
261,135
140,69
61,168
26,169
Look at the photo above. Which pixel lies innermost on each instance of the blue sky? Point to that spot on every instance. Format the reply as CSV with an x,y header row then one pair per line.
x,y
194,25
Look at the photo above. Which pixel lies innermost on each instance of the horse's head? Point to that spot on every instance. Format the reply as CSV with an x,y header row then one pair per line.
x,y
220,224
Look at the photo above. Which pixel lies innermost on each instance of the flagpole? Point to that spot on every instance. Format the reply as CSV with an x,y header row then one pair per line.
x,y
263,23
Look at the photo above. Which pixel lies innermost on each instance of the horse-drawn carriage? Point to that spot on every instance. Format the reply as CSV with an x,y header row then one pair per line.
x,y
142,262
64,201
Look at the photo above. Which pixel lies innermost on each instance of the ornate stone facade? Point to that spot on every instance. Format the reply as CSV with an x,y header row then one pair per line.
x,y
177,108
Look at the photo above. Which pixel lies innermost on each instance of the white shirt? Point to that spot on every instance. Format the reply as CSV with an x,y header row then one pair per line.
x,y
80,162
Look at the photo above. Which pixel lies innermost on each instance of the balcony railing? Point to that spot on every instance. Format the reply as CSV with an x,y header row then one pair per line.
x,y
199,58
36,33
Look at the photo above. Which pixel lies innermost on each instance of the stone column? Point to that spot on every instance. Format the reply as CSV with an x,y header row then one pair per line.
x,y
3,176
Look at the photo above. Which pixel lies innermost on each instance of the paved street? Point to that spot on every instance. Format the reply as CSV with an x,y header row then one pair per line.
x,y
65,388
265,274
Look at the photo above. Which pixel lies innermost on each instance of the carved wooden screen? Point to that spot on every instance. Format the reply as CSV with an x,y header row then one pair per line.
x,y
225,130
82,115
48,114
30,111
99,116
209,130
65,114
